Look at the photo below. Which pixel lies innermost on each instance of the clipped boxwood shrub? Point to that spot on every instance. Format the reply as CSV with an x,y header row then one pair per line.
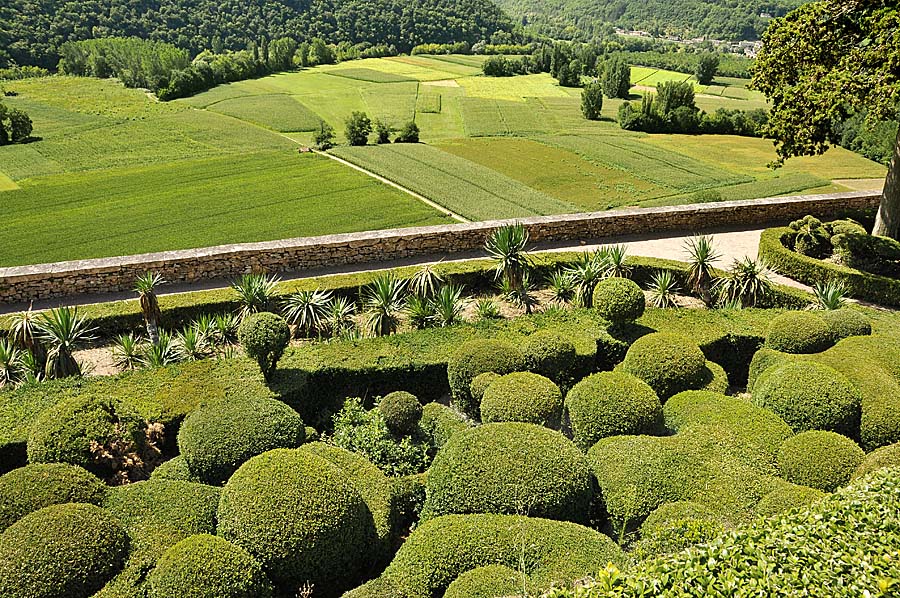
x,y
265,336
811,396
799,332
523,397
669,363
61,551
763,360
619,300
205,566
611,404
175,469
787,498
715,379
301,518
219,436
821,460
845,322
549,354
402,412
510,468
886,456
440,423
409,499
486,582
480,384
675,526
477,357
33,487
671,512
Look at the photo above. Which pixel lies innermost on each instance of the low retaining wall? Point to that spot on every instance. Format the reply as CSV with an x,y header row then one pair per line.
x,y
44,281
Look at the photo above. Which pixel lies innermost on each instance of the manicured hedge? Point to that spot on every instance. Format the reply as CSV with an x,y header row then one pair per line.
x,y
477,357
409,499
301,518
33,487
480,384
846,322
821,460
68,550
715,379
523,397
886,456
550,354
611,404
510,468
785,499
205,566
440,423
799,332
669,363
675,526
216,438
619,300
402,412
486,582
175,469
668,514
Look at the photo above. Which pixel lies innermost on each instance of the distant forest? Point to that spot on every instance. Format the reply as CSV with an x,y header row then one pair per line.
x,y
32,31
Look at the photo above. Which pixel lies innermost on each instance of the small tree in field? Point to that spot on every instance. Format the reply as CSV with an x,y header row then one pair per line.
x,y
408,134
325,136
707,68
383,132
359,127
592,100
617,78
823,62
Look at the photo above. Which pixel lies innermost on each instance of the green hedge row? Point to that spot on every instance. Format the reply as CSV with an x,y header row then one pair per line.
x,y
862,285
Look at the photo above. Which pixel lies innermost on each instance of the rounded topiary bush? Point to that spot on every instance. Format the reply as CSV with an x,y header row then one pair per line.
x,y
480,384
300,517
667,362
265,336
179,509
549,354
105,436
402,412
675,526
220,435
486,582
799,332
205,566
439,423
611,404
477,357
821,460
619,300
522,397
844,323
61,551
763,360
672,512
785,499
175,469
811,396
715,378
886,456
510,468
33,487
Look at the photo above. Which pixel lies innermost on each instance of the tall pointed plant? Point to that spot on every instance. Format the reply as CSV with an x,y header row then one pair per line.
x,y
145,287
64,331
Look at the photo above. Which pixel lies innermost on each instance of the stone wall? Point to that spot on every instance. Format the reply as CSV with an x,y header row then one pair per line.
x,y
44,281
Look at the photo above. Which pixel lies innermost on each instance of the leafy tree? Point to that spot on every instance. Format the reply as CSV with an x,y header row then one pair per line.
x,y
617,78
358,129
15,125
671,95
821,63
592,100
320,53
707,68
324,136
383,131
408,134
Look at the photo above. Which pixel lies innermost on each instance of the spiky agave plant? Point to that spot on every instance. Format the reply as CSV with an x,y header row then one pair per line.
x,y
63,330
126,351
487,309
161,353
586,272
663,289
448,305
419,311
507,245
191,345
24,333
830,295
702,256
340,316
307,311
225,328
255,293
383,300
747,282
426,281
145,287
11,369
562,286
615,259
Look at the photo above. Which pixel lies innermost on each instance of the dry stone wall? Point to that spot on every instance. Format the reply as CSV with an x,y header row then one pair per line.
x,y
44,281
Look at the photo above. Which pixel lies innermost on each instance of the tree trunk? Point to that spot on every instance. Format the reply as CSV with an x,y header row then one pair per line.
x,y
887,224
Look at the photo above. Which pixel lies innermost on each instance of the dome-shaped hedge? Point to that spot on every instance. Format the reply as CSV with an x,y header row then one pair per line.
x,y
845,322
675,526
402,412
611,404
886,456
523,397
300,517
549,354
490,581
764,360
480,384
821,460
477,357
33,487
715,378
810,396
784,499
799,332
667,362
439,424
510,468
671,512
61,551
205,566
175,469
220,435
619,300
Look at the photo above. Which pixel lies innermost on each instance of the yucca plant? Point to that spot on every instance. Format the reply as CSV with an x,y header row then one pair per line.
x,y
663,289
32,370
507,246
586,272
523,296
226,327
419,311
383,300
426,281
307,311
562,286
448,305
256,293
830,295
615,259
747,282
145,287
702,256
24,333
487,309
127,351
205,326
190,345
11,370
161,353
63,330
340,316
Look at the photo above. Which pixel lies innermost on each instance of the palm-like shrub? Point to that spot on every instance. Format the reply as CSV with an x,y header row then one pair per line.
x,y
145,287
615,259
225,327
191,345
419,311
701,256
426,282
663,289
746,283
830,295
10,363
448,305
587,271
63,330
256,293
25,334
562,286
127,351
307,310
383,300
507,246
340,316
161,353
487,309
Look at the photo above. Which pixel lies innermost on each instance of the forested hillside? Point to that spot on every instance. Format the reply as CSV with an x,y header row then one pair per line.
x,y
720,19
31,31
